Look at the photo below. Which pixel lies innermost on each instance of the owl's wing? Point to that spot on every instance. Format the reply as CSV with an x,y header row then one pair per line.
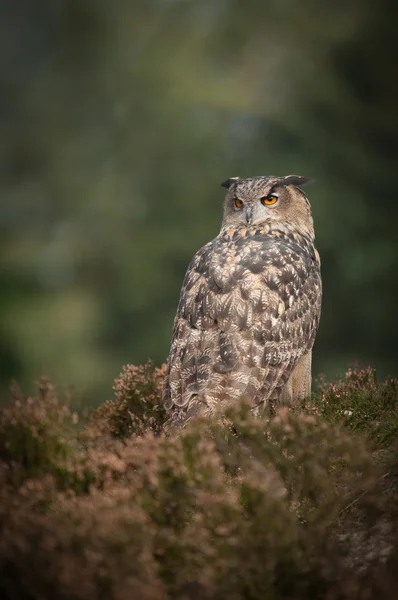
x,y
249,309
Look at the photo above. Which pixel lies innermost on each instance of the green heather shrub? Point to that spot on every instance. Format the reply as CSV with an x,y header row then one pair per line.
x,y
238,508
369,407
35,433
363,403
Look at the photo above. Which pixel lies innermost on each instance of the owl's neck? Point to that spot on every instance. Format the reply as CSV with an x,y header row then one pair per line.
x,y
272,229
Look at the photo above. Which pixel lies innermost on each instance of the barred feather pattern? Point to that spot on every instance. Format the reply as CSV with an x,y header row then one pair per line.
x,y
249,309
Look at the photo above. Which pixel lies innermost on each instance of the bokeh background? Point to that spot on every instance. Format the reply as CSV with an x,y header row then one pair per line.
x,y
119,120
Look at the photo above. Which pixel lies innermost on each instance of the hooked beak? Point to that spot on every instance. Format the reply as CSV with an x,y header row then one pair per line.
x,y
249,214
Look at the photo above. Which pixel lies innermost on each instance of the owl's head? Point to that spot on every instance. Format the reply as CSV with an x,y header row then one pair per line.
x,y
258,200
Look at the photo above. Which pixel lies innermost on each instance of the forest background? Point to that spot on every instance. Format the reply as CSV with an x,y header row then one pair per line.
x,y
119,120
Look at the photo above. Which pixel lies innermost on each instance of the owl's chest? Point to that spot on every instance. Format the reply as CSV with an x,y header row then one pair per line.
x,y
230,264
279,265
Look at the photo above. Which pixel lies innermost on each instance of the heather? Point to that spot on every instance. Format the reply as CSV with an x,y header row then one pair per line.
x,y
298,507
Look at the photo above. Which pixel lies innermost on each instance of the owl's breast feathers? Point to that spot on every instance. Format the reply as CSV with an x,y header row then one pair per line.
x,y
249,309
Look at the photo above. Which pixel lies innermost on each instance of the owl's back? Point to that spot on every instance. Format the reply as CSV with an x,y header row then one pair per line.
x,y
249,310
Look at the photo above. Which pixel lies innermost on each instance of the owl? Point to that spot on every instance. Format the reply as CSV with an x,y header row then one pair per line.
x,y
249,307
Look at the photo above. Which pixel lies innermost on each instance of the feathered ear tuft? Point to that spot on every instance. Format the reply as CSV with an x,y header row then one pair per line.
x,y
296,180
228,182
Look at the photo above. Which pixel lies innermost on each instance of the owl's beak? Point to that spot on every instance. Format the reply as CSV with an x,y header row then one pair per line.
x,y
249,214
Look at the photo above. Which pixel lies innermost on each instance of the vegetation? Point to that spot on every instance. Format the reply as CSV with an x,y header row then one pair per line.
x,y
299,507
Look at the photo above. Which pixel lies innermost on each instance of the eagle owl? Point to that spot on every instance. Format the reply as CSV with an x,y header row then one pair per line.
x,y
250,305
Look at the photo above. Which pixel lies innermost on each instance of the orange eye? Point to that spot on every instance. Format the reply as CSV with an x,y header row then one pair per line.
x,y
269,200
238,203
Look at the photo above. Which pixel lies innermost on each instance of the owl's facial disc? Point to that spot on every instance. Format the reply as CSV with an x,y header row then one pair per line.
x,y
255,201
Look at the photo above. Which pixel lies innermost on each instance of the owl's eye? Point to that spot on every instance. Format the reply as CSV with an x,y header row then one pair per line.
x,y
269,200
238,203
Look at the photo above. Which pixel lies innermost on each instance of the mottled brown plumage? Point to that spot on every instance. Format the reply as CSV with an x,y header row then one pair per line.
x,y
250,305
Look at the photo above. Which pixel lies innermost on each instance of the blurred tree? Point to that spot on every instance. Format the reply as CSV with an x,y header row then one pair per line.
x,y
117,124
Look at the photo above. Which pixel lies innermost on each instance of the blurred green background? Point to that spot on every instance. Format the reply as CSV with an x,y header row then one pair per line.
x,y
119,120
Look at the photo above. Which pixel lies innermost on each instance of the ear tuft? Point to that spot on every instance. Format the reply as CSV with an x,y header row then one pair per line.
x,y
296,180
228,182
